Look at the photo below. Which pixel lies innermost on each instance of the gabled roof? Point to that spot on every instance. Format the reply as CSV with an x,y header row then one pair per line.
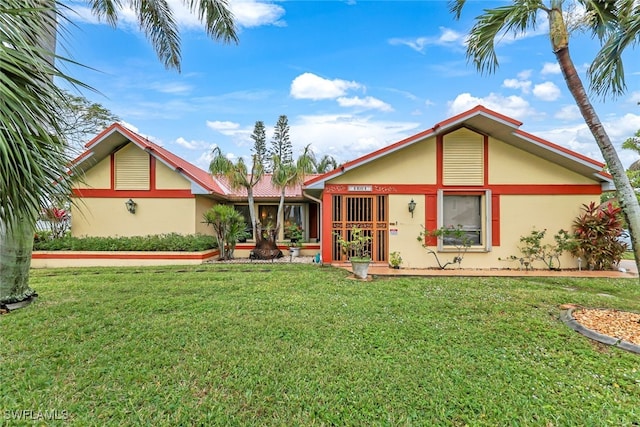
x,y
201,181
115,135
488,122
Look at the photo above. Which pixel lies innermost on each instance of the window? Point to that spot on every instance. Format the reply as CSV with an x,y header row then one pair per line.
x,y
471,212
244,210
267,215
292,216
464,212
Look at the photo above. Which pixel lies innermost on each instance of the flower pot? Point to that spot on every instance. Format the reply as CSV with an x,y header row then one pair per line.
x,y
294,251
360,267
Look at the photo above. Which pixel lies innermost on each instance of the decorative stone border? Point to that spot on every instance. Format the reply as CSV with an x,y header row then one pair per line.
x,y
567,317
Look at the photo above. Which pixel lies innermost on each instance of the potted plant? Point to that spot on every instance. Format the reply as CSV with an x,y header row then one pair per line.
x,y
395,260
356,247
296,236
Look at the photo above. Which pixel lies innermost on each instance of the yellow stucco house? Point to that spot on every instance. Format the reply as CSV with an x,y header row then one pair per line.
x,y
477,169
129,186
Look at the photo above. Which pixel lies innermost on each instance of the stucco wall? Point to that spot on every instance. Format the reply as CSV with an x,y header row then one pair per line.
x,y
202,204
518,217
167,179
109,217
415,164
404,230
98,177
511,165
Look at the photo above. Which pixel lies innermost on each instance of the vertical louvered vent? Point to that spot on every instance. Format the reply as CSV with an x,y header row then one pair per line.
x,y
132,169
463,158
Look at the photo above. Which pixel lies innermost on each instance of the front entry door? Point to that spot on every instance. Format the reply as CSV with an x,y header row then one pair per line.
x,y
367,212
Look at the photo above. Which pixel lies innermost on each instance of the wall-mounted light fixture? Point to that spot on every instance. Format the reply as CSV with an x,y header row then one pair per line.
x,y
131,206
412,207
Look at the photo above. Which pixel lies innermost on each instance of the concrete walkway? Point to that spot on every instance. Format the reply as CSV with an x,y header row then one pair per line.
x,y
627,270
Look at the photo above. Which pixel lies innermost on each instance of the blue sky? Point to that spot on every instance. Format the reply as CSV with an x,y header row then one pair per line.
x,y
351,76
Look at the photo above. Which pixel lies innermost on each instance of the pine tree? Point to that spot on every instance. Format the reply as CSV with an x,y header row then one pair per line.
x,y
260,142
281,147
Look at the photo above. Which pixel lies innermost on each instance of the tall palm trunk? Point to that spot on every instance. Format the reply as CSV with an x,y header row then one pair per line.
x,y
16,235
16,244
626,195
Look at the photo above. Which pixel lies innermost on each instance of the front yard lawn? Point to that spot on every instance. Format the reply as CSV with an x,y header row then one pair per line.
x,y
296,344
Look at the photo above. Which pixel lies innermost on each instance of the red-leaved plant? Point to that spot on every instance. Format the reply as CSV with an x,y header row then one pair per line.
x,y
596,233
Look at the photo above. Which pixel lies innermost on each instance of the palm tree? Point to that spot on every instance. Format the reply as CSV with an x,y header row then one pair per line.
x,y
32,147
612,21
238,177
325,164
289,174
32,150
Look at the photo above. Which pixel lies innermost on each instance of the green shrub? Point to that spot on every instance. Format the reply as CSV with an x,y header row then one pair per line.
x,y
533,248
158,242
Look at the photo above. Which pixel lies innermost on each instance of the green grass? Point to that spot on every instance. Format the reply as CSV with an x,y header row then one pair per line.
x,y
294,344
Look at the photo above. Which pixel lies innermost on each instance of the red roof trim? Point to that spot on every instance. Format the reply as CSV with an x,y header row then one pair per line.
x,y
559,148
477,110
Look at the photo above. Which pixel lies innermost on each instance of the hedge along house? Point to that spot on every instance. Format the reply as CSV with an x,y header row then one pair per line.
x,y
477,170
129,186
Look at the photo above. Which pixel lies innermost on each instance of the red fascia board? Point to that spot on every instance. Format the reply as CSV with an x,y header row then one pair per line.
x,y
103,134
549,144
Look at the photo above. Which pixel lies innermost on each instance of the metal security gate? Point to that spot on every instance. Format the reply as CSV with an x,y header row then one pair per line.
x,y
369,213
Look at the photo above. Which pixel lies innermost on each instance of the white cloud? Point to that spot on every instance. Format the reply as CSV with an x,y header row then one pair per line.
x,y
524,74
550,68
204,160
191,145
134,129
546,91
511,106
523,85
634,97
578,138
447,37
347,137
568,113
366,103
247,14
225,128
311,86
172,88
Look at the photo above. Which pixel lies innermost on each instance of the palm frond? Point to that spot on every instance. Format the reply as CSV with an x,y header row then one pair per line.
x,y
495,23
156,20
33,155
218,19
606,73
106,9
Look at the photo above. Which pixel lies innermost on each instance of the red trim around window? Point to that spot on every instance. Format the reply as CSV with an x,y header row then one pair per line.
x,y
431,220
495,220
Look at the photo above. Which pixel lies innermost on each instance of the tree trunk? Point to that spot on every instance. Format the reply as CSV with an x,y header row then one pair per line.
x,y
16,245
265,248
626,195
